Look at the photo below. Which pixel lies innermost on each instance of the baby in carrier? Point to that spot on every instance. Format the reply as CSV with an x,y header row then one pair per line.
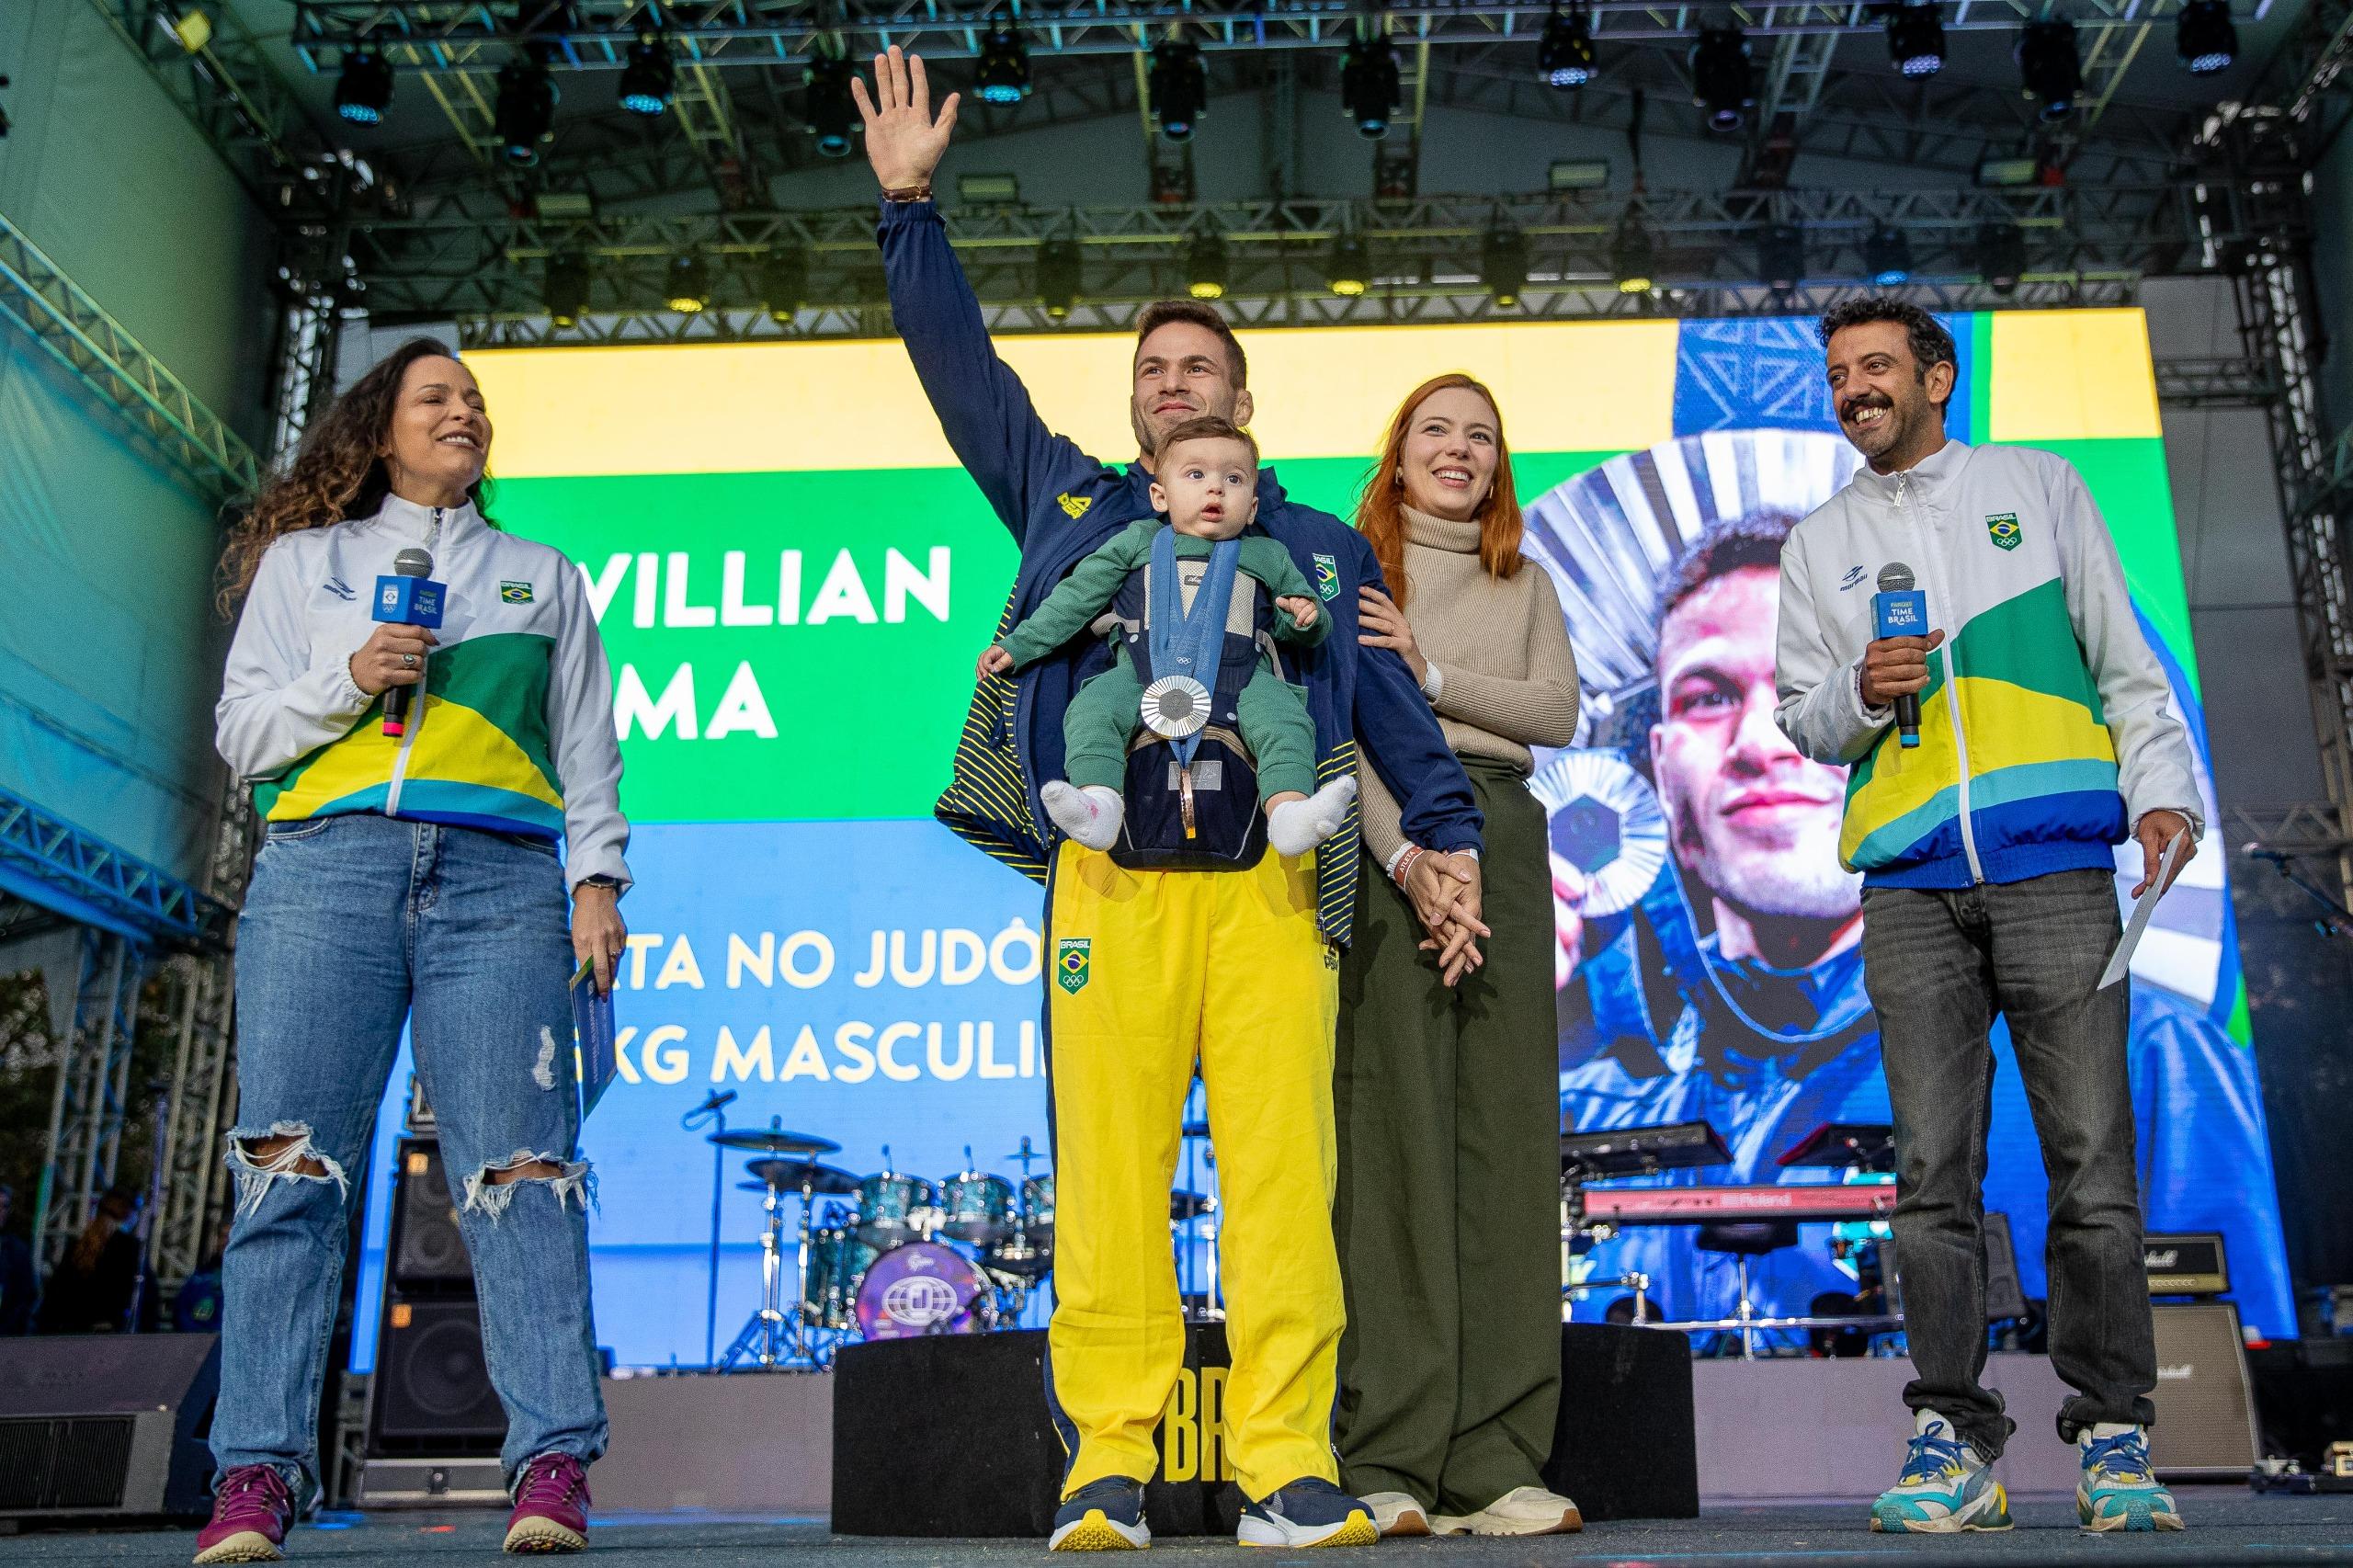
x,y
1206,487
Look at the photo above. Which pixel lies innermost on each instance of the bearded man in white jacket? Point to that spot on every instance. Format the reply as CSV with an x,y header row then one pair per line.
x,y
2044,736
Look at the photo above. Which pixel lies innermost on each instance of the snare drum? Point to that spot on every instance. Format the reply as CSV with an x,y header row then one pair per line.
x,y
923,1288
975,1207
1028,1252
894,1209
838,1262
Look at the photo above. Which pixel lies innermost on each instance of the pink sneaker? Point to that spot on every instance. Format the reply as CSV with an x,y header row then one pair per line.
x,y
550,1506
251,1509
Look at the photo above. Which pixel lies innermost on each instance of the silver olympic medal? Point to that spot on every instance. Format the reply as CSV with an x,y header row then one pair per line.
x,y
1175,706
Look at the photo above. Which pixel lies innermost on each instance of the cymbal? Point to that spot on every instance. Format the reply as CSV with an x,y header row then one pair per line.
x,y
1184,1205
791,1175
774,1141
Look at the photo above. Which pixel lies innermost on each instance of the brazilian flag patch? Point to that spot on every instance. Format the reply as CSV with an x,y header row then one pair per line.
x,y
1327,577
1070,956
515,593
2004,527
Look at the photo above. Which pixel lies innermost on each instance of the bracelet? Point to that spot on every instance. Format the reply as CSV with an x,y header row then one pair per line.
x,y
903,193
1406,864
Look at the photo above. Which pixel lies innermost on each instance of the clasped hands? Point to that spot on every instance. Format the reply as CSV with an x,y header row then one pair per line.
x,y
1445,891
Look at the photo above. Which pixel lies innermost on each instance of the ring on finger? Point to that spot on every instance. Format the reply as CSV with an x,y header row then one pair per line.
x,y
408,661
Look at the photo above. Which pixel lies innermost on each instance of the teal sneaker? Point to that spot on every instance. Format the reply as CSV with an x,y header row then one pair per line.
x,y
2118,1490
1945,1487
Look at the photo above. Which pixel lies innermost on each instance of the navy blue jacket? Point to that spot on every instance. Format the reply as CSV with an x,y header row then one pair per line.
x,y
1061,504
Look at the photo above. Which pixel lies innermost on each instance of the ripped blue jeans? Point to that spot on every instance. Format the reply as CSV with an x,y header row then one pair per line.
x,y
354,925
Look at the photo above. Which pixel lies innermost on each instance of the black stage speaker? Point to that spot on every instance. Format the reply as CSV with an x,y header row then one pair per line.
x,y
431,1393
2205,1424
968,1411
107,1424
1626,1445
428,1252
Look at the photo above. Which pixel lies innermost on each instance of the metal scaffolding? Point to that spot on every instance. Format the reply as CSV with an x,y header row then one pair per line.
x,y
86,1113
155,406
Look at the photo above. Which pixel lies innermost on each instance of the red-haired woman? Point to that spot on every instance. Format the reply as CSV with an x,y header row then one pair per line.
x,y
1447,1084
412,878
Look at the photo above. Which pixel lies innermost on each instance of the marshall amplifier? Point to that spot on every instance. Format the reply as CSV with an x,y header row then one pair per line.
x,y
2185,1265
2205,1426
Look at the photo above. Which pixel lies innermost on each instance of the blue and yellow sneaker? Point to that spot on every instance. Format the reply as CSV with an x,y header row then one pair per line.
x,y
1307,1512
1102,1516
1945,1487
2118,1490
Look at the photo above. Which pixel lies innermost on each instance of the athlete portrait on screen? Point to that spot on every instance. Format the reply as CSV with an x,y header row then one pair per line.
x,y
1710,961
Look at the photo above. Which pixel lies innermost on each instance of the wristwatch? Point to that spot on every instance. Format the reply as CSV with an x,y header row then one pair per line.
x,y
600,879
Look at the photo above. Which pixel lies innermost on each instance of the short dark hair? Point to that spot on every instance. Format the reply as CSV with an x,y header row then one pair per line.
x,y
1723,547
1931,344
1160,313
1208,428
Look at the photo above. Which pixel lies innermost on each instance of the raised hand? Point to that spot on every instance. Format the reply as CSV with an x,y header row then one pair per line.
x,y
904,141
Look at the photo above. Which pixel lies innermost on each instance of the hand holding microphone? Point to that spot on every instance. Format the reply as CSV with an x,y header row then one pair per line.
x,y
1895,667
407,606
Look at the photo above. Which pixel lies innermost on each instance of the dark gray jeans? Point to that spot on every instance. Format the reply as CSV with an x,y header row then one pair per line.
x,y
1939,965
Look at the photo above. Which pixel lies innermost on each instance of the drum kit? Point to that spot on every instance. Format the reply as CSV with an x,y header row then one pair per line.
x,y
890,1256
883,1256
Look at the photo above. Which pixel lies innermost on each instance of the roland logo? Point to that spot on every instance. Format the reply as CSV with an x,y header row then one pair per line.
x,y
2180,1374
2165,1259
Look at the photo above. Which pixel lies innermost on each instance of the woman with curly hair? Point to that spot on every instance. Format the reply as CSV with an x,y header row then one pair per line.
x,y
1448,1212
410,874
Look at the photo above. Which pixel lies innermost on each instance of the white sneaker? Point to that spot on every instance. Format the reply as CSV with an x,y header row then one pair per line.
x,y
1523,1510
1396,1513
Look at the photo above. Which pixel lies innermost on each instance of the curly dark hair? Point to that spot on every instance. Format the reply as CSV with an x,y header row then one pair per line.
x,y
1724,546
1931,344
335,473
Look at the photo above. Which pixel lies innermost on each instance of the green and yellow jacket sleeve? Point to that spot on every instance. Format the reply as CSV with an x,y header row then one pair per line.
x,y
1080,596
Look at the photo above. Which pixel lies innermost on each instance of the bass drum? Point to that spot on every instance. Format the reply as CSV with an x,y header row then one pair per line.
x,y
923,1288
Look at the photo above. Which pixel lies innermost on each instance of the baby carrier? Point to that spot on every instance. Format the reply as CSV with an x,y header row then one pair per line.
x,y
1192,786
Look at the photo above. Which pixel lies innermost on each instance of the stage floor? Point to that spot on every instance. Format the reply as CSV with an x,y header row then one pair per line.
x,y
2230,1525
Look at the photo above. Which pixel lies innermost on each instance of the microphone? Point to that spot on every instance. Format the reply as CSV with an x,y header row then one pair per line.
x,y
1899,609
408,597
715,1102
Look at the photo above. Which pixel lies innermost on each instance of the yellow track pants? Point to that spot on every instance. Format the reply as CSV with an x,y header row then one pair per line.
x,y
1151,970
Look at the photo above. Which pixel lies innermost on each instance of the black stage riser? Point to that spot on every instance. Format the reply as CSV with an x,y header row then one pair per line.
x,y
968,1411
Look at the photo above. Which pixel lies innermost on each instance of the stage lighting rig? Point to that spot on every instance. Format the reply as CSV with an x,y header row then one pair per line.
x,y
832,111
1206,272
1915,39
1350,269
2001,256
1002,75
688,290
525,116
1565,57
1502,265
1781,257
2049,65
364,91
1368,86
649,80
1633,257
1887,257
784,283
1722,79
1060,274
565,285
1178,88
2205,36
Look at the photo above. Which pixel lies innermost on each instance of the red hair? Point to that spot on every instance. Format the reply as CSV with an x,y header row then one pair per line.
x,y
1380,510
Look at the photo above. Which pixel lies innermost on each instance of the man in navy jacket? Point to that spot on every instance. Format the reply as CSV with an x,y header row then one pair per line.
x,y
1112,1340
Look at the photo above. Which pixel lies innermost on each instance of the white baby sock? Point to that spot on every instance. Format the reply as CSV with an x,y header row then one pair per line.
x,y
1297,826
1091,816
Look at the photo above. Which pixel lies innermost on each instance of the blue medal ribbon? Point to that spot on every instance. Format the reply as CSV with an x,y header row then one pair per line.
x,y
1189,643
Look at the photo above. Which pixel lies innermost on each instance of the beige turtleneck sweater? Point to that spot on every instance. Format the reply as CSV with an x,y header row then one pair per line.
x,y
1506,679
